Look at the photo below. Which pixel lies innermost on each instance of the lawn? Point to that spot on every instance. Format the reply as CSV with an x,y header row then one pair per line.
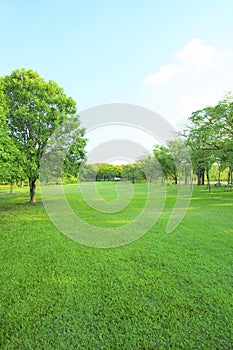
x,y
162,291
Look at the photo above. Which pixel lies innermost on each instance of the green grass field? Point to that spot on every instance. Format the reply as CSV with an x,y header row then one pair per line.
x,y
163,291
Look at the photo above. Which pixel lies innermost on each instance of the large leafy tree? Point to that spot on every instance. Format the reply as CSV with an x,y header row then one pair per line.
x,y
35,108
174,160
210,136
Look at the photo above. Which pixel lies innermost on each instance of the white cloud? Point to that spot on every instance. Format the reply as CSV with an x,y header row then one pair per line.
x,y
195,56
164,74
198,55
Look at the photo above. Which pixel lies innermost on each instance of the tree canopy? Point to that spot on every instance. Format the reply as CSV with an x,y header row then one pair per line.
x,y
34,109
210,137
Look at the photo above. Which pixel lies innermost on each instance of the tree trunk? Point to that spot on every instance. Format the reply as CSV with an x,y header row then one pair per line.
x,y
11,188
208,179
219,176
32,184
201,176
229,180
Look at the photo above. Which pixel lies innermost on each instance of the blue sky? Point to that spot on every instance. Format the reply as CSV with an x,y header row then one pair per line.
x,y
170,56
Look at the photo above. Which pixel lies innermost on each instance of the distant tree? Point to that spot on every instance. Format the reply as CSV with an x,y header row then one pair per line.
x,y
165,158
132,172
150,168
35,108
181,159
107,172
87,172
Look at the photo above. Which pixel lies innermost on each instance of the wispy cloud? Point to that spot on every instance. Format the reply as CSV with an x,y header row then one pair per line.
x,y
164,74
195,56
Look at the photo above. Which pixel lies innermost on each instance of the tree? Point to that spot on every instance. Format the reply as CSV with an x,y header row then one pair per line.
x,y
149,168
35,108
210,136
202,162
132,172
87,173
75,157
107,172
227,159
166,161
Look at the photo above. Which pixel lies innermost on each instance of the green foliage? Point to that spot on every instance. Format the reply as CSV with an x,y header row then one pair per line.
x,y
165,158
4,138
35,108
150,169
11,159
74,157
132,172
210,135
107,172
99,172
88,172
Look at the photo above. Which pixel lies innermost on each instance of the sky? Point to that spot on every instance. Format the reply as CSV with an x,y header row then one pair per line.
x,y
172,57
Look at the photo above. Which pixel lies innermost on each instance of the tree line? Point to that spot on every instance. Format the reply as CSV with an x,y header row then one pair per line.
x,y
208,139
161,165
31,109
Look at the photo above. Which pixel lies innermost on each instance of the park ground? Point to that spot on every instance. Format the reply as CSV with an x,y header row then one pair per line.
x,y
162,291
